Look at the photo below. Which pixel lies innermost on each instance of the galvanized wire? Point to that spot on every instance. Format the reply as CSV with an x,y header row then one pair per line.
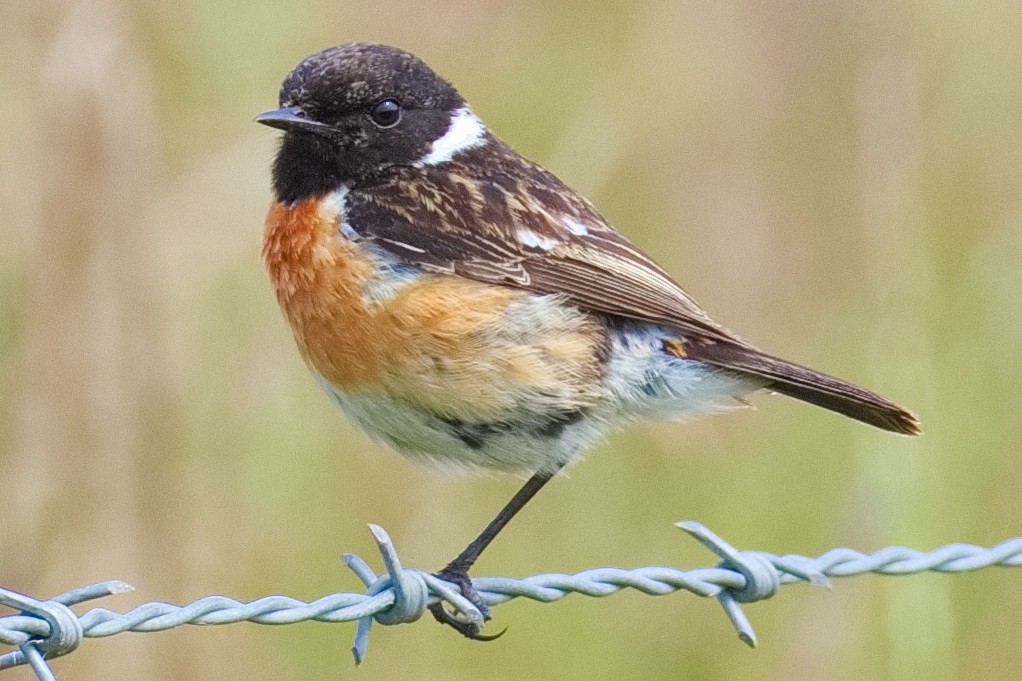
x,y
44,629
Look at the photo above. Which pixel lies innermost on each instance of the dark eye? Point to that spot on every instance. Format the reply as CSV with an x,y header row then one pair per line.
x,y
386,114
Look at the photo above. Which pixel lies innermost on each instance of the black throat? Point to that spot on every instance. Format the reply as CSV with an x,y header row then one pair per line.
x,y
306,165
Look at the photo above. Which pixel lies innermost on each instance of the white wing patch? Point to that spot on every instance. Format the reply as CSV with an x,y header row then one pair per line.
x,y
574,226
530,239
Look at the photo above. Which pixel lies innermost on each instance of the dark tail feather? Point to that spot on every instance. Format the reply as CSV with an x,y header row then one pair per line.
x,y
806,384
862,406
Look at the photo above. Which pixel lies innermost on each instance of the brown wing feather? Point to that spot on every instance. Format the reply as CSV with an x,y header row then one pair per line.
x,y
492,216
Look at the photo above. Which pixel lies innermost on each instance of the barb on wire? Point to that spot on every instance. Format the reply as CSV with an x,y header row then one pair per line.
x,y
46,629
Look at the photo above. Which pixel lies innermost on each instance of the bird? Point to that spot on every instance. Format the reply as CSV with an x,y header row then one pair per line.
x,y
464,306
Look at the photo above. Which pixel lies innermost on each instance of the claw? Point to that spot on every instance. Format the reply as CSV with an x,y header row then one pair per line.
x,y
470,630
467,629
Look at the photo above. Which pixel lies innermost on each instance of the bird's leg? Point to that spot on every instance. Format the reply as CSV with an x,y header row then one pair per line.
x,y
456,571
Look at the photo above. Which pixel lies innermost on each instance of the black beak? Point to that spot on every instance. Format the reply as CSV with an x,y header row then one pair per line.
x,y
291,118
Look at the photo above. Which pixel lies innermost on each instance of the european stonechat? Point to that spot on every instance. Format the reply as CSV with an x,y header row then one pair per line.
x,y
466,307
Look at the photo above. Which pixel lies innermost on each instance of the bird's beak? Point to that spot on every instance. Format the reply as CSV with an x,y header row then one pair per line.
x,y
291,118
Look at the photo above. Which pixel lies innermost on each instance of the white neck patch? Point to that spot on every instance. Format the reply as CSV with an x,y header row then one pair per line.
x,y
466,131
336,204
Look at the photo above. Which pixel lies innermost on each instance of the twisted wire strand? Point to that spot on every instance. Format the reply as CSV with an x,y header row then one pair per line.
x,y
46,629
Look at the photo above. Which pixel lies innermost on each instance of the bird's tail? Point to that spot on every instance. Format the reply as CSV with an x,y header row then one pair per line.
x,y
806,384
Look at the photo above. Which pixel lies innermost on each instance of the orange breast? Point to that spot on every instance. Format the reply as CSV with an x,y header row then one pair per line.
x,y
458,347
318,280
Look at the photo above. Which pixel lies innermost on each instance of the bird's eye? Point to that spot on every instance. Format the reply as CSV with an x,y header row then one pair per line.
x,y
386,113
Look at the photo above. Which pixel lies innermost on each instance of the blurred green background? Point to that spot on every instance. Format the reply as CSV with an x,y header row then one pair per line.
x,y
838,181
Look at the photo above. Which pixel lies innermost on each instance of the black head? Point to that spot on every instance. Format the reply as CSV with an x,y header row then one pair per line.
x,y
351,111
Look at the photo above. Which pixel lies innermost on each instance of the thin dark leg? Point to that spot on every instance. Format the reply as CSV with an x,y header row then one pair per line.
x,y
467,558
457,570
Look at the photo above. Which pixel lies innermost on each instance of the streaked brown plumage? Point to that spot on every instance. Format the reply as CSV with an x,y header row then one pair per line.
x,y
463,305
468,218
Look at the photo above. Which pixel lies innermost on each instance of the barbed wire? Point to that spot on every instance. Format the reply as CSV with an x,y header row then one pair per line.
x,y
45,629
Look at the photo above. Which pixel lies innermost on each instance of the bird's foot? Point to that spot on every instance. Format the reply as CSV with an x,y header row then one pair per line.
x,y
459,577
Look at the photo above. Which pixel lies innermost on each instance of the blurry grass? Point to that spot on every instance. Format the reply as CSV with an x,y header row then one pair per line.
x,y
839,183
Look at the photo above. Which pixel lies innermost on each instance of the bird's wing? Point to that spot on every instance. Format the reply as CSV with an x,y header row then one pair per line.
x,y
517,225
528,231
